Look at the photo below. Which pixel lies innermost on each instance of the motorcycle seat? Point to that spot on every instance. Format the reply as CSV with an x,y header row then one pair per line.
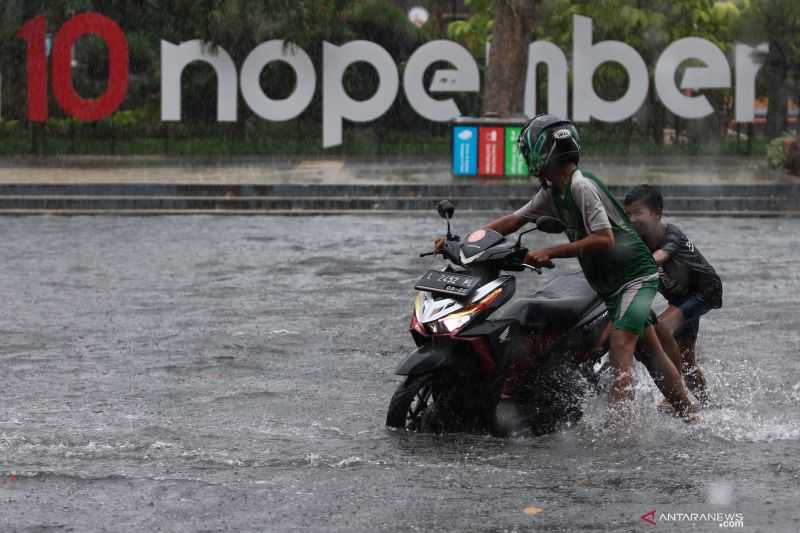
x,y
561,303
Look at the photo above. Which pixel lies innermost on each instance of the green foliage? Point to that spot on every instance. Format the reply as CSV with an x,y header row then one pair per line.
x,y
476,30
778,22
239,25
648,27
382,22
10,126
776,151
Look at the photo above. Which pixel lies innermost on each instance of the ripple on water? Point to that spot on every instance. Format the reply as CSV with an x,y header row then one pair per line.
x,y
297,401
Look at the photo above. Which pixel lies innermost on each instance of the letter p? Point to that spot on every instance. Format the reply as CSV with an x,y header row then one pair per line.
x,y
337,104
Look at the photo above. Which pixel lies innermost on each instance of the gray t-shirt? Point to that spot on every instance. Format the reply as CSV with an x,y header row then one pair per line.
x,y
587,207
596,208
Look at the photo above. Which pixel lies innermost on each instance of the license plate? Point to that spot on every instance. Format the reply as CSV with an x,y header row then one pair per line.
x,y
447,283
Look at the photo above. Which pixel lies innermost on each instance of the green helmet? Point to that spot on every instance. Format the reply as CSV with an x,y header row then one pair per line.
x,y
546,139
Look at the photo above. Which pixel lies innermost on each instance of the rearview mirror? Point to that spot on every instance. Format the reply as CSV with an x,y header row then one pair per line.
x,y
446,209
550,225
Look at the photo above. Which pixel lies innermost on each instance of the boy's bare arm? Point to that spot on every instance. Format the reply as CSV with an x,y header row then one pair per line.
x,y
503,225
507,224
598,241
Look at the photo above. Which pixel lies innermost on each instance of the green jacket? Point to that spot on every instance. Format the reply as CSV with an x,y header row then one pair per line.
x,y
628,260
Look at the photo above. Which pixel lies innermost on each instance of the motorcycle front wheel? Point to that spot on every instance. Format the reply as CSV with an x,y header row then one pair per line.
x,y
412,400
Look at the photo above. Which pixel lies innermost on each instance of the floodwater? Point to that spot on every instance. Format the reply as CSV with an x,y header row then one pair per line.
x,y
232,374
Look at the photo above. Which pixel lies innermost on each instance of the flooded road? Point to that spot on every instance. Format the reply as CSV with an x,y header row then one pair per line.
x,y
213,374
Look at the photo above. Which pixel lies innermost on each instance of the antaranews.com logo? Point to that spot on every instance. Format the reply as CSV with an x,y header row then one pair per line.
x,y
724,520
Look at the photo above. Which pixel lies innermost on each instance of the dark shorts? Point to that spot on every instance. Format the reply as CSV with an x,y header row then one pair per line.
x,y
692,307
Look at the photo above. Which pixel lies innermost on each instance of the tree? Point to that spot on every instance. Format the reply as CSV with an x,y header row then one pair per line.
x,y
777,22
508,58
649,30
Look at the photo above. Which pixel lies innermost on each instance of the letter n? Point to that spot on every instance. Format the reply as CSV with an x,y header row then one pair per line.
x,y
552,56
175,58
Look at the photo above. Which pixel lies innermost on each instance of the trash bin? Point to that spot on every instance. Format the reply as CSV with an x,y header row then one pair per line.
x,y
487,147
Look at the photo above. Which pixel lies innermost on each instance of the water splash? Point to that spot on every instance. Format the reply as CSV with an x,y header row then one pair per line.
x,y
743,410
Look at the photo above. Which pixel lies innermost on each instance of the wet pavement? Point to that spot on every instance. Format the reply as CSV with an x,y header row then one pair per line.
x,y
232,374
665,170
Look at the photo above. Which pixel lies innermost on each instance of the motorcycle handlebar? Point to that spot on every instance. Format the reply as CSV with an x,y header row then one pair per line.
x,y
521,251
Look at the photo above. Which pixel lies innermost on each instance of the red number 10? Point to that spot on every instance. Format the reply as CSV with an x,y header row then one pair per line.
x,y
34,34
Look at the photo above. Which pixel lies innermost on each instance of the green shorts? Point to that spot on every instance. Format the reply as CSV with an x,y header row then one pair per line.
x,y
630,309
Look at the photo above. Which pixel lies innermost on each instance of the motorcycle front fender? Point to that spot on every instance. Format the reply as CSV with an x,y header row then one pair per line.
x,y
425,359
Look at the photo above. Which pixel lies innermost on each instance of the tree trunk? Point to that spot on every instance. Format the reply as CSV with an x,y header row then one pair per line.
x,y
439,25
508,58
656,116
776,73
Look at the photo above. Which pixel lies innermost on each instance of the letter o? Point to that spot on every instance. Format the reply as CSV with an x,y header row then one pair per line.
x,y
260,103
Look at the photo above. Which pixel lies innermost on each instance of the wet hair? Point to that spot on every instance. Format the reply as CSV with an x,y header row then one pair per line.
x,y
649,194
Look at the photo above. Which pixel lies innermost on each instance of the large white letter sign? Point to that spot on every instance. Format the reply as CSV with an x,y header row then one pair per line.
x,y
746,69
174,60
337,104
465,78
716,75
586,58
294,104
552,56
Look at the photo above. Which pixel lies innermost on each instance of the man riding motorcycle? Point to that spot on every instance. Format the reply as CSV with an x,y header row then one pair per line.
x,y
614,259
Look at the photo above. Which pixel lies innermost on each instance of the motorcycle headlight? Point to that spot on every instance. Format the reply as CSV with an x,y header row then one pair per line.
x,y
454,322
418,304
416,325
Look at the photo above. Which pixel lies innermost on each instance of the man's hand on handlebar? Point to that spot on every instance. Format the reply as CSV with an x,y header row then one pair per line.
x,y
539,258
438,245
